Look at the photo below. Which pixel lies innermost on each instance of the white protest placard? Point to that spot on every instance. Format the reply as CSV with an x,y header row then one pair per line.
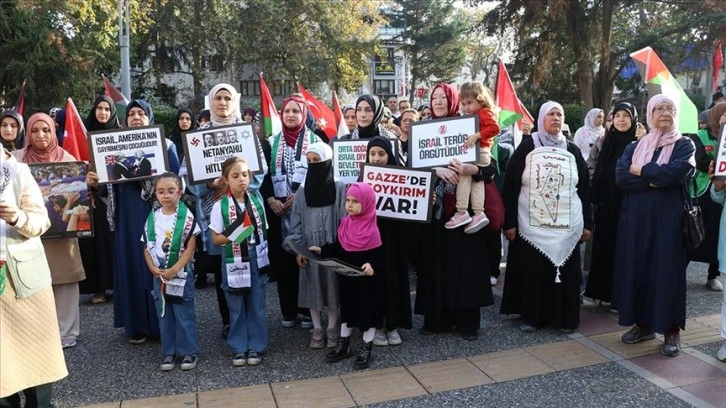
x,y
719,170
128,154
436,142
401,193
349,155
205,150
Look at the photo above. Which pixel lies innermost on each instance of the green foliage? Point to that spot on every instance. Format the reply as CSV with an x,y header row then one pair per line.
x,y
574,116
164,114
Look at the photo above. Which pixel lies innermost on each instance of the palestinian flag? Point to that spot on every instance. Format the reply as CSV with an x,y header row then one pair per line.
x,y
118,98
511,110
660,81
271,123
239,230
20,102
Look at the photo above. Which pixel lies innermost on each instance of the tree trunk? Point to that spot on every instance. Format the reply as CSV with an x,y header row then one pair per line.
x,y
577,26
604,91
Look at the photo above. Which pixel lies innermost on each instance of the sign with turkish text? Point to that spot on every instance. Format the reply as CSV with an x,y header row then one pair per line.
x,y
128,154
401,193
436,142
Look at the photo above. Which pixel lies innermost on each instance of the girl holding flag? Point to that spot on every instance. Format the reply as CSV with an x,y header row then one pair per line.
x,y
238,223
168,234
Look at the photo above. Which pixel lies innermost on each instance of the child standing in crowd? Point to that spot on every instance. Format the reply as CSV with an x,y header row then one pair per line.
x,y
168,234
238,223
476,99
362,298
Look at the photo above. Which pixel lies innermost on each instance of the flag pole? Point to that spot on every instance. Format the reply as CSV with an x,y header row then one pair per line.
x,y
123,28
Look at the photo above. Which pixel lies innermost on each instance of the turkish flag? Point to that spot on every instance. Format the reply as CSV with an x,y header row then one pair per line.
x,y
717,65
342,128
75,141
321,112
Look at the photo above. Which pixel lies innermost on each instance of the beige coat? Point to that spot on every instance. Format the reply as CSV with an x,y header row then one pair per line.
x,y
30,349
64,256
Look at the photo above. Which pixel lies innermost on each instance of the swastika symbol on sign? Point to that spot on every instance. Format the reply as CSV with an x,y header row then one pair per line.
x,y
195,142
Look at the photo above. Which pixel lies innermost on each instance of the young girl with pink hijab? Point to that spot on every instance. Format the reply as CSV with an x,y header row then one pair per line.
x,y
362,298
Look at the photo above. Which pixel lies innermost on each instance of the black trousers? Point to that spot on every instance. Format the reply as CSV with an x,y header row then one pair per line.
x,y
464,321
35,397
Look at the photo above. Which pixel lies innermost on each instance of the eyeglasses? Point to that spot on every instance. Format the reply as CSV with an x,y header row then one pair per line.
x,y
665,109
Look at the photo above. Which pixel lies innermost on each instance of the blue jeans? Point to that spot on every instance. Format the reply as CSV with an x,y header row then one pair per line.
x,y
248,324
178,327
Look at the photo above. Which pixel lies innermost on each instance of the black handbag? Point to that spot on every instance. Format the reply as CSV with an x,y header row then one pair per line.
x,y
694,232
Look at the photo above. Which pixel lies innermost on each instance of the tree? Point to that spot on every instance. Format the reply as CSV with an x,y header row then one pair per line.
x,y
432,39
590,42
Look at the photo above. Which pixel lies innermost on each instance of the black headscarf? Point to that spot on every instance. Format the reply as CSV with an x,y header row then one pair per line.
x,y
144,106
176,134
385,144
614,145
319,181
93,124
60,130
377,105
19,142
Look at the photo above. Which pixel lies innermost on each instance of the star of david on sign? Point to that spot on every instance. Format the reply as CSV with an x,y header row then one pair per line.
x,y
246,134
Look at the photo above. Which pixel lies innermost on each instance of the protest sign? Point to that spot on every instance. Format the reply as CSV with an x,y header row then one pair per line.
x,y
349,155
332,264
719,170
128,154
205,150
436,142
66,198
401,193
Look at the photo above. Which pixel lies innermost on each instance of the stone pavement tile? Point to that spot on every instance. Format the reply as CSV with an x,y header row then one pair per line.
x,y
713,392
106,405
681,370
171,401
448,375
374,386
612,342
698,333
327,392
711,320
566,355
258,396
596,321
510,365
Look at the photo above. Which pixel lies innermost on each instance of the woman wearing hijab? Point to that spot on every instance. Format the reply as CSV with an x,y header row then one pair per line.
x,y
369,113
606,197
184,123
66,268
706,142
396,236
543,274
586,136
248,115
349,117
12,133
318,208
96,252
452,267
649,290
288,167
128,205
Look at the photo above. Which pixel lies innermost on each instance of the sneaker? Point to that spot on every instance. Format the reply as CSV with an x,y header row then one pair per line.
x,y
239,360
493,281
138,339
167,364
527,327
188,363
458,220
721,354
254,358
333,337
714,285
99,298
478,222
68,342
364,357
637,334
316,340
394,339
671,345
306,323
380,339
288,323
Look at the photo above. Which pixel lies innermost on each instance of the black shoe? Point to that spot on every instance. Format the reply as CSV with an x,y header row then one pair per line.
x,y
201,281
671,345
364,357
637,334
138,339
470,336
426,331
341,351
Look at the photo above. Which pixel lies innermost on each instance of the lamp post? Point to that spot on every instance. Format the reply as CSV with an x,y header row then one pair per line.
x,y
123,39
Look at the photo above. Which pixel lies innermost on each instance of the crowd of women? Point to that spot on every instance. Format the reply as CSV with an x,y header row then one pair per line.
x,y
148,233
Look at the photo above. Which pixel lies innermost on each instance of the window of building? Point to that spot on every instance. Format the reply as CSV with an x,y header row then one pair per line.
x,y
249,88
384,86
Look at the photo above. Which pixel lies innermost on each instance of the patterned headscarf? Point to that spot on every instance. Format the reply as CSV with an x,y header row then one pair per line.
x,y
656,138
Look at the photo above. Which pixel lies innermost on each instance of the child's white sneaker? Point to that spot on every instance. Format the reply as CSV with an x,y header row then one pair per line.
x,y
721,354
478,222
167,364
380,339
458,220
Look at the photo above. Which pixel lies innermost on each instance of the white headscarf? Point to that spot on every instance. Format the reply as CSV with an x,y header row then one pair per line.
x,y
322,149
220,121
590,127
541,137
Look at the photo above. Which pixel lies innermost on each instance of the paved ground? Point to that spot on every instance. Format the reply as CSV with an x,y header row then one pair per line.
x,y
505,367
